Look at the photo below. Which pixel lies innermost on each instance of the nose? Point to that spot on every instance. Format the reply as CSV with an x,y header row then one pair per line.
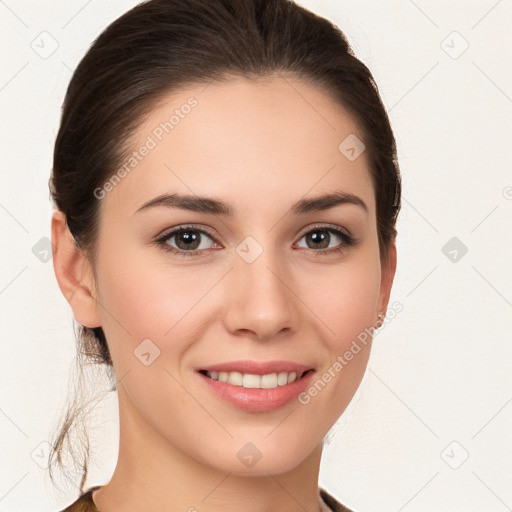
x,y
260,299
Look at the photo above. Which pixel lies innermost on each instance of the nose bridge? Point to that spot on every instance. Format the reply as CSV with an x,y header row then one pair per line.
x,y
262,300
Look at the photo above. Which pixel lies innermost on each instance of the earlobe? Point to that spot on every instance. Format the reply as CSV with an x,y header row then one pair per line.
x,y
74,273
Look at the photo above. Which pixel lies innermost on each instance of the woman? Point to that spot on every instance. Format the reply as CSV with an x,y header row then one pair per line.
x,y
226,192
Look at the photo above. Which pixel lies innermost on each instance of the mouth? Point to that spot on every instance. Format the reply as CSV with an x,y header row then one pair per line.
x,y
261,392
257,381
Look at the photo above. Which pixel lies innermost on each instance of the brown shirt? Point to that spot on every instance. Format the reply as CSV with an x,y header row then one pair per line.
x,y
85,504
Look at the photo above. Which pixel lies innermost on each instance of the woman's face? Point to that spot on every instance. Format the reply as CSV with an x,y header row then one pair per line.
x,y
264,283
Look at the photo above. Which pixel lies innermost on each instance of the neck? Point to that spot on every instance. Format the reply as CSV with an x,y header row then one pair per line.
x,y
152,473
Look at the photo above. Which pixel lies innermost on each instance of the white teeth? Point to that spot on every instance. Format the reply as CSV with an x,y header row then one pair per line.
x,y
269,380
251,381
248,380
235,378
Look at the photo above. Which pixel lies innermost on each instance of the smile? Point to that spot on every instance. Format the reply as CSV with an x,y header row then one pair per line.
x,y
256,393
248,380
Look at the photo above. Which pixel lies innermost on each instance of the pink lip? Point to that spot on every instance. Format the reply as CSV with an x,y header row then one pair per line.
x,y
257,368
256,399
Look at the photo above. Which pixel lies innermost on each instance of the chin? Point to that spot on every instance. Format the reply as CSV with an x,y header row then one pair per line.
x,y
259,458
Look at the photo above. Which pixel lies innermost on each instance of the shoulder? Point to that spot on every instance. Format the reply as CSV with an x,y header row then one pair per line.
x,y
331,502
84,503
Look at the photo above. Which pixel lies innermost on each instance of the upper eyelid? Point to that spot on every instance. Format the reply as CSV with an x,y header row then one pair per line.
x,y
169,233
325,226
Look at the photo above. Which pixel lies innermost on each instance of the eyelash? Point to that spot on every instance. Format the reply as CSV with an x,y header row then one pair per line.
x,y
347,239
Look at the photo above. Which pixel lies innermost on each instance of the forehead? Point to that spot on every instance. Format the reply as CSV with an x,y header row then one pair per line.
x,y
251,141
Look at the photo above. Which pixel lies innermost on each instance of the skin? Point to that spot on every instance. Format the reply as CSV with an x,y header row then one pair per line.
x,y
259,146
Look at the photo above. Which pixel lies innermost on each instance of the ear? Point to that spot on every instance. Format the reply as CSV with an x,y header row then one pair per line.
x,y
387,276
74,273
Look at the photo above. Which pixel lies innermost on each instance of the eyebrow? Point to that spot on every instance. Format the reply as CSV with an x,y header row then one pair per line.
x,y
216,207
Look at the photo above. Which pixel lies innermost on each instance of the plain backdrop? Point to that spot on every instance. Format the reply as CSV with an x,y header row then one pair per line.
x,y
429,428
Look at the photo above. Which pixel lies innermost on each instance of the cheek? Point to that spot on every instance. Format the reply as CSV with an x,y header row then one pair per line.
x,y
344,303
345,299
139,300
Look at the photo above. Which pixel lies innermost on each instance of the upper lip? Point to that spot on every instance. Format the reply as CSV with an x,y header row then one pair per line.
x,y
257,367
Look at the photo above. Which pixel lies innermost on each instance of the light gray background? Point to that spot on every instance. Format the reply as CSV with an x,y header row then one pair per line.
x,y
438,388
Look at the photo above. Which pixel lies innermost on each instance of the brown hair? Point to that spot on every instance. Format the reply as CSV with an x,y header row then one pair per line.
x,y
161,45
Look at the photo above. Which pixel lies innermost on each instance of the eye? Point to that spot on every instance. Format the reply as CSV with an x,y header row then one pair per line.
x,y
188,240
321,236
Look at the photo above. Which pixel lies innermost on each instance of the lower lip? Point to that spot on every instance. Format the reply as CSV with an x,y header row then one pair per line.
x,y
257,399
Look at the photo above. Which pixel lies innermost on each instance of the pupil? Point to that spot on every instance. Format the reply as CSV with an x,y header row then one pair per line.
x,y
318,237
188,238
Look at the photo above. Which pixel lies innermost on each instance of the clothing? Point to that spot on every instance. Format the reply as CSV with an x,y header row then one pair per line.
x,y
84,503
